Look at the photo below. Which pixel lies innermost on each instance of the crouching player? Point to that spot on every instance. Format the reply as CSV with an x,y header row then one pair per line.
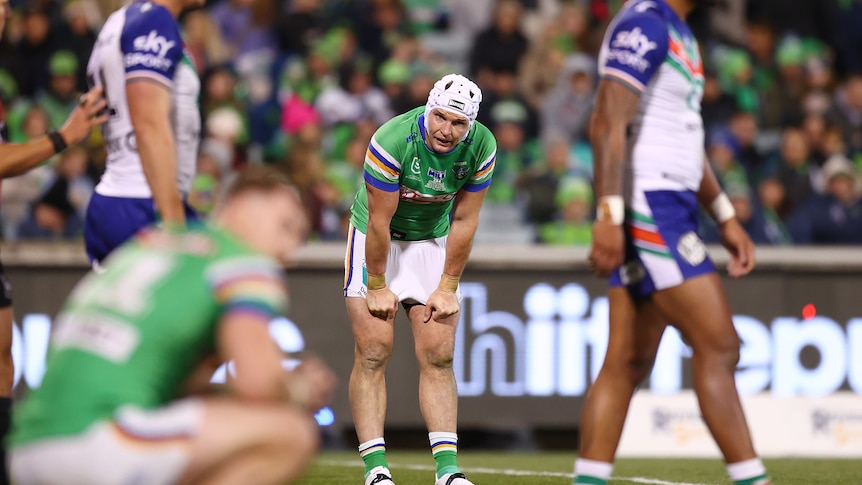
x,y
125,398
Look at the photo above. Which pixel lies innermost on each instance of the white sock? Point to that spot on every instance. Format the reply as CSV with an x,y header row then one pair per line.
x,y
746,470
593,468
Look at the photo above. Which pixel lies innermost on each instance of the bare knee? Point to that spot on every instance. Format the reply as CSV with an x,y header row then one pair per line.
x,y
440,359
631,367
373,356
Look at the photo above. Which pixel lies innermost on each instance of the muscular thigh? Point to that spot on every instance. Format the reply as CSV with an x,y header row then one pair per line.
x,y
635,331
698,308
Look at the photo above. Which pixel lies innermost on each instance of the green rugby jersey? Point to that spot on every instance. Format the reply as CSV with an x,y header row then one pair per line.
x,y
398,159
132,335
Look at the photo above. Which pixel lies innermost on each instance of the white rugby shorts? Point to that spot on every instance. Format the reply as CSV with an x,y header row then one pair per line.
x,y
413,269
139,446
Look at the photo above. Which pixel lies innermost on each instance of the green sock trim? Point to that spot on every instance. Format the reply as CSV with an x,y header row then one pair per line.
x,y
447,462
751,481
374,460
585,480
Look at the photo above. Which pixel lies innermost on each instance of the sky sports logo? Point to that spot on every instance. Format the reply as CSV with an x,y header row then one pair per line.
x,y
629,48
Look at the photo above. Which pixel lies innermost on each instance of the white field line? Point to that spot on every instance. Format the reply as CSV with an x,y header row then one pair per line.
x,y
506,471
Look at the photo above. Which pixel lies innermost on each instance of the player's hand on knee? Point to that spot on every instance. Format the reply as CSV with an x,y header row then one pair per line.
x,y
311,385
441,305
608,248
739,245
382,303
90,112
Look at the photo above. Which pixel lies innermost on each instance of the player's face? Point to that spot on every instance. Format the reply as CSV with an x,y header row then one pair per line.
x,y
279,227
445,130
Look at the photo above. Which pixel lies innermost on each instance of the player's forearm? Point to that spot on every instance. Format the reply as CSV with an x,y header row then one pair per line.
x,y
709,186
377,246
459,243
17,158
609,146
159,161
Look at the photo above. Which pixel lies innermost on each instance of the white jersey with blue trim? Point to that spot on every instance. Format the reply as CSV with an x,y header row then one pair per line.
x,y
650,49
141,42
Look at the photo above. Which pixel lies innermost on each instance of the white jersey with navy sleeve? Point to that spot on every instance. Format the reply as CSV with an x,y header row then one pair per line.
x,y
141,42
650,49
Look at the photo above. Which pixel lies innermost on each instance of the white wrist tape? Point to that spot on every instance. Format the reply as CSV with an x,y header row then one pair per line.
x,y
611,208
722,209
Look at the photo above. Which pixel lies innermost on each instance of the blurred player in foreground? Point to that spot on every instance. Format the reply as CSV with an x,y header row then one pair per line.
x,y
126,395
423,169
651,175
152,136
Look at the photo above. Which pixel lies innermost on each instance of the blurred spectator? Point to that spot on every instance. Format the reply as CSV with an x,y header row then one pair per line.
x,y
541,181
727,21
721,152
717,107
204,41
298,27
773,203
59,211
33,51
823,138
394,76
515,154
381,28
793,168
244,26
566,110
61,96
574,199
206,186
847,113
836,216
504,97
743,127
78,33
736,75
501,47
806,18
354,98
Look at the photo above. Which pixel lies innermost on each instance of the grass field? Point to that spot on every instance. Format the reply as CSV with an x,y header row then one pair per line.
x,y
556,468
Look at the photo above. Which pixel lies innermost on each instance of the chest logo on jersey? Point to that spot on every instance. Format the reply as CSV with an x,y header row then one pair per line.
x,y
460,170
407,193
415,170
436,182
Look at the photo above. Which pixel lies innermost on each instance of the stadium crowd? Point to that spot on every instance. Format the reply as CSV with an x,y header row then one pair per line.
x,y
304,83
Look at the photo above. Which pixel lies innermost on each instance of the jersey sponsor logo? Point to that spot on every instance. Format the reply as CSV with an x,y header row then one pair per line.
x,y
120,143
436,182
629,48
411,137
107,337
691,248
411,195
153,42
436,174
151,50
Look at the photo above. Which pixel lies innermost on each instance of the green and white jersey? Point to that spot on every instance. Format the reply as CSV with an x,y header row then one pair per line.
x,y
398,159
132,335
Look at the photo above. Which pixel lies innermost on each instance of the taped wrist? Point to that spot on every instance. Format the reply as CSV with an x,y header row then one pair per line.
x,y
722,209
449,284
376,281
611,208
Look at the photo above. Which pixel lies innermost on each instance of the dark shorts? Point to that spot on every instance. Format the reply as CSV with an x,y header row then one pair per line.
x,y
111,221
5,289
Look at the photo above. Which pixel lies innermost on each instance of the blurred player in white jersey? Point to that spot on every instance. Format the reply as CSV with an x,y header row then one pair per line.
x,y
154,128
651,176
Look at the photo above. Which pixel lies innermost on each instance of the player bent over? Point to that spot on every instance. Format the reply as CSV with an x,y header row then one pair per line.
x,y
423,169
647,134
133,345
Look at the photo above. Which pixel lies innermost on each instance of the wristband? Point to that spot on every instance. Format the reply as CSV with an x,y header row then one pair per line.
x,y
448,284
722,209
376,281
57,140
611,208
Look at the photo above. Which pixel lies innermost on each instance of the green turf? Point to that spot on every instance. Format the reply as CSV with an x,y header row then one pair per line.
x,y
555,468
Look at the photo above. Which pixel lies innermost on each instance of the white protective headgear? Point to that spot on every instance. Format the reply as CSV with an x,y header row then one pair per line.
x,y
456,94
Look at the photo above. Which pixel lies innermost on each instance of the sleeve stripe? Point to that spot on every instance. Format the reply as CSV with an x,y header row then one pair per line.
x,y
491,158
380,165
379,184
484,171
144,74
384,156
623,77
477,187
262,312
